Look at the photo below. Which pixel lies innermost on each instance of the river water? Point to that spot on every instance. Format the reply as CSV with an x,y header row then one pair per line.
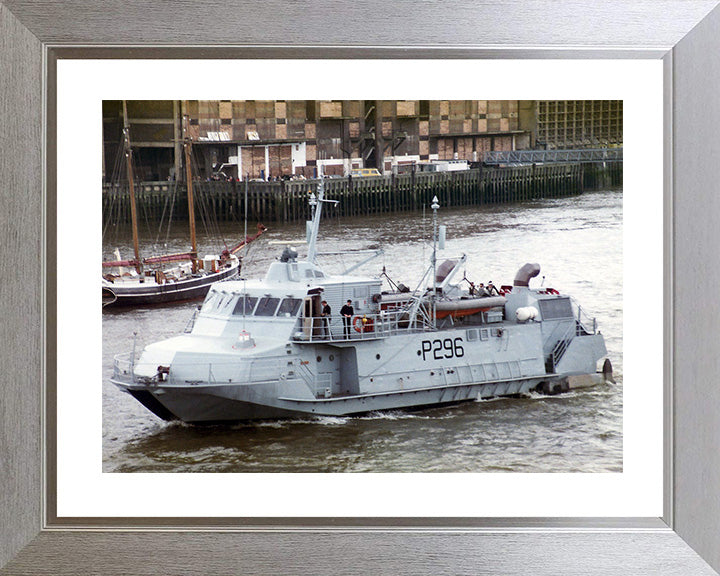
x,y
578,243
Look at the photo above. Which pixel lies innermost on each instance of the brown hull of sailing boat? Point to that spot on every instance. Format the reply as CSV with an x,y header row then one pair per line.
x,y
151,293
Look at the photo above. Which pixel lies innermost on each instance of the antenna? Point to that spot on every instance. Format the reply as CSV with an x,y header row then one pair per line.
x,y
315,211
246,213
435,205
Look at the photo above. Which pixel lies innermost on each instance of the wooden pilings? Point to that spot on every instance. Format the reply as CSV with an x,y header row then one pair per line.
x,y
286,201
602,175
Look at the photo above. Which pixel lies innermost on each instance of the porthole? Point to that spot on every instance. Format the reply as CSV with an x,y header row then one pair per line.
x,y
377,356
319,358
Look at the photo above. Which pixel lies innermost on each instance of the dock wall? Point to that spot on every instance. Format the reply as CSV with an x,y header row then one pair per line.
x,y
287,201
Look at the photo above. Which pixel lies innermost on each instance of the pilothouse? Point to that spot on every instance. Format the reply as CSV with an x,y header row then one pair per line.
x,y
266,348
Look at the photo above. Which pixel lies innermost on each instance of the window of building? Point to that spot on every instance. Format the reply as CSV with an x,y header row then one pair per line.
x,y
310,110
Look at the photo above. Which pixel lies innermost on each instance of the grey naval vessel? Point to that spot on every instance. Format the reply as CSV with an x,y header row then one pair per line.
x,y
262,349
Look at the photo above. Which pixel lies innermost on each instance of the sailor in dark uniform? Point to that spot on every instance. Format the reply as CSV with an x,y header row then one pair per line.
x,y
347,312
326,311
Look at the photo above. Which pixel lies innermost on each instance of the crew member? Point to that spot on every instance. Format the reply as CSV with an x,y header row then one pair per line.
x,y
347,312
326,311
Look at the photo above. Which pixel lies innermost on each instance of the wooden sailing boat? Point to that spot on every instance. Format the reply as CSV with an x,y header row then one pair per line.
x,y
171,277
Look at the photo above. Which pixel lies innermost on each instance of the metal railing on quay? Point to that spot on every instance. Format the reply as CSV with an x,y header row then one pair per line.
x,y
583,155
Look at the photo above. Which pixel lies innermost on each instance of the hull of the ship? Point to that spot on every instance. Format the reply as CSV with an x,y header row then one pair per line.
x,y
211,404
151,293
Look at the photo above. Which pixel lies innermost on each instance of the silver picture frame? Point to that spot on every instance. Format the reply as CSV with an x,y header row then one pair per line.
x,y
685,34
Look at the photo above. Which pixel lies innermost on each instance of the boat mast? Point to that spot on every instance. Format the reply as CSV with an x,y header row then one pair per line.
x,y
314,216
191,202
435,205
131,186
316,211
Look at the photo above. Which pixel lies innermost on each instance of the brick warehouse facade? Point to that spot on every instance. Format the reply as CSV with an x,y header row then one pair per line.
x,y
279,138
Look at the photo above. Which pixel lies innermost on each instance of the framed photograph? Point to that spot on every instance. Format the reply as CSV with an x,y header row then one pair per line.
x,y
534,454
67,507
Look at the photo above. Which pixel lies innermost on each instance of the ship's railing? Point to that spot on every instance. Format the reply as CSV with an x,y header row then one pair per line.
x,y
256,370
191,322
562,345
360,327
584,323
320,384
124,366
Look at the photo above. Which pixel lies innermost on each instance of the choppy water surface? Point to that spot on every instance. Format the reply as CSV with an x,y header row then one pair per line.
x,y
578,243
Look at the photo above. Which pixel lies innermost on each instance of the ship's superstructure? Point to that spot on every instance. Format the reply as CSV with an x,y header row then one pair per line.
x,y
262,349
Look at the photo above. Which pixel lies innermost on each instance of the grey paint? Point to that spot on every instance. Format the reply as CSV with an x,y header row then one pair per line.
x,y
696,70
652,23
359,554
502,547
20,222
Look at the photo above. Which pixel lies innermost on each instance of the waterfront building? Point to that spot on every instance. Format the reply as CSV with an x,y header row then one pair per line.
x,y
570,124
272,139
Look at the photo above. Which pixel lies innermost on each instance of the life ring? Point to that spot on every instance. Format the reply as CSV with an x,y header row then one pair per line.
x,y
362,324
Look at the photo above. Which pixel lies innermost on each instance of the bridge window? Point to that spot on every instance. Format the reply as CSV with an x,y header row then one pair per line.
x,y
210,301
216,302
289,307
244,306
224,304
267,306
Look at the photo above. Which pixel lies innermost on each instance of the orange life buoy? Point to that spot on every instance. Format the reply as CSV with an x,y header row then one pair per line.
x,y
362,324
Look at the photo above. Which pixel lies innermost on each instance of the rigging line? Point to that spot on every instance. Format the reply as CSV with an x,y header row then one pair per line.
x,y
206,215
213,219
197,189
162,219
246,185
203,209
112,196
107,213
143,205
113,218
172,210
216,221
